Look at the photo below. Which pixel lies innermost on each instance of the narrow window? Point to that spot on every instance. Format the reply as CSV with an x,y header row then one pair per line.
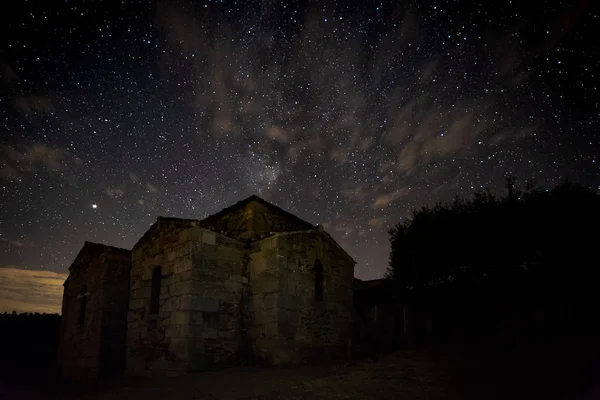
x,y
155,292
318,280
83,305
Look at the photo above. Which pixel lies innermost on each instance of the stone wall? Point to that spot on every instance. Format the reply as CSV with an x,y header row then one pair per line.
x,y
115,295
218,315
84,350
201,299
265,266
289,325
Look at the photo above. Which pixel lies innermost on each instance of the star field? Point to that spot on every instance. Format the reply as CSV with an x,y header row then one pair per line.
x,y
347,114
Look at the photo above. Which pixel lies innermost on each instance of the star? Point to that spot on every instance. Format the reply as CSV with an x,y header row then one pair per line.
x,y
224,103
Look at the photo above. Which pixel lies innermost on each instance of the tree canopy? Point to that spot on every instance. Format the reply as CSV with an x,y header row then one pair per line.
x,y
528,238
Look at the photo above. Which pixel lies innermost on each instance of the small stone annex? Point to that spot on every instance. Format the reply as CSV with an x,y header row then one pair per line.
x,y
249,282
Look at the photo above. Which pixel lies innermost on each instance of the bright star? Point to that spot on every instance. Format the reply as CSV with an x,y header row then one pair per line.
x,y
94,205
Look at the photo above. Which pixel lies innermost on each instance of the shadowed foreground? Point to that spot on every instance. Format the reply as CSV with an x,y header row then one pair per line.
x,y
490,372
401,375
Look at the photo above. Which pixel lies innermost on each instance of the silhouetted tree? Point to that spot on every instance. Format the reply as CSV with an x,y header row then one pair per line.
x,y
532,238
521,268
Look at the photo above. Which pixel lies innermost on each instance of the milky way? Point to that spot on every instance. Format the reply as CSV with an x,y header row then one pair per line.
x,y
346,114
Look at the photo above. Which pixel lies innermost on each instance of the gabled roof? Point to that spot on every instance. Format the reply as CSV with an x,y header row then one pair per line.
x,y
300,224
95,249
254,197
168,220
319,230
212,223
329,237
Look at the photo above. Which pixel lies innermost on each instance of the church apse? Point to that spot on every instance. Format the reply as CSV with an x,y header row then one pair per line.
x,y
301,284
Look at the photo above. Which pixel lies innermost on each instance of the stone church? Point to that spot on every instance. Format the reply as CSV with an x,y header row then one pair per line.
x,y
249,282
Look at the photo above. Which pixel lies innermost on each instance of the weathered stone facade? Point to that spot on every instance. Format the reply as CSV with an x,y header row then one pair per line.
x,y
289,324
94,313
249,281
200,301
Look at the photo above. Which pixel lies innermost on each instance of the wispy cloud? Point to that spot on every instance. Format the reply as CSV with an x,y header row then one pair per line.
x,y
34,104
17,162
12,242
386,199
115,192
339,228
25,290
355,192
412,119
277,134
377,222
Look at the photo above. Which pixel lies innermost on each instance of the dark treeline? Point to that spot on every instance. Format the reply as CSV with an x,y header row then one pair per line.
x,y
532,251
531,238
510,280
28,342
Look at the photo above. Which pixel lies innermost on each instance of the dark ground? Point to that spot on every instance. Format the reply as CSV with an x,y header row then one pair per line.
x,y
558,358
499,373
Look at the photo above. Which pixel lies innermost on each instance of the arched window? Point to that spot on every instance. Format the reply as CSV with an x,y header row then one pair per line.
x,y
83,305
318,280
155,291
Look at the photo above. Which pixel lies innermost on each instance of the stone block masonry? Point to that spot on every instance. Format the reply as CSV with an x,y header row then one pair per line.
x,y
290,325
199,306
249,281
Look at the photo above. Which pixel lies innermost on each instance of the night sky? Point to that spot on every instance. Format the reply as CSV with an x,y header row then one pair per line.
x,y
347,114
